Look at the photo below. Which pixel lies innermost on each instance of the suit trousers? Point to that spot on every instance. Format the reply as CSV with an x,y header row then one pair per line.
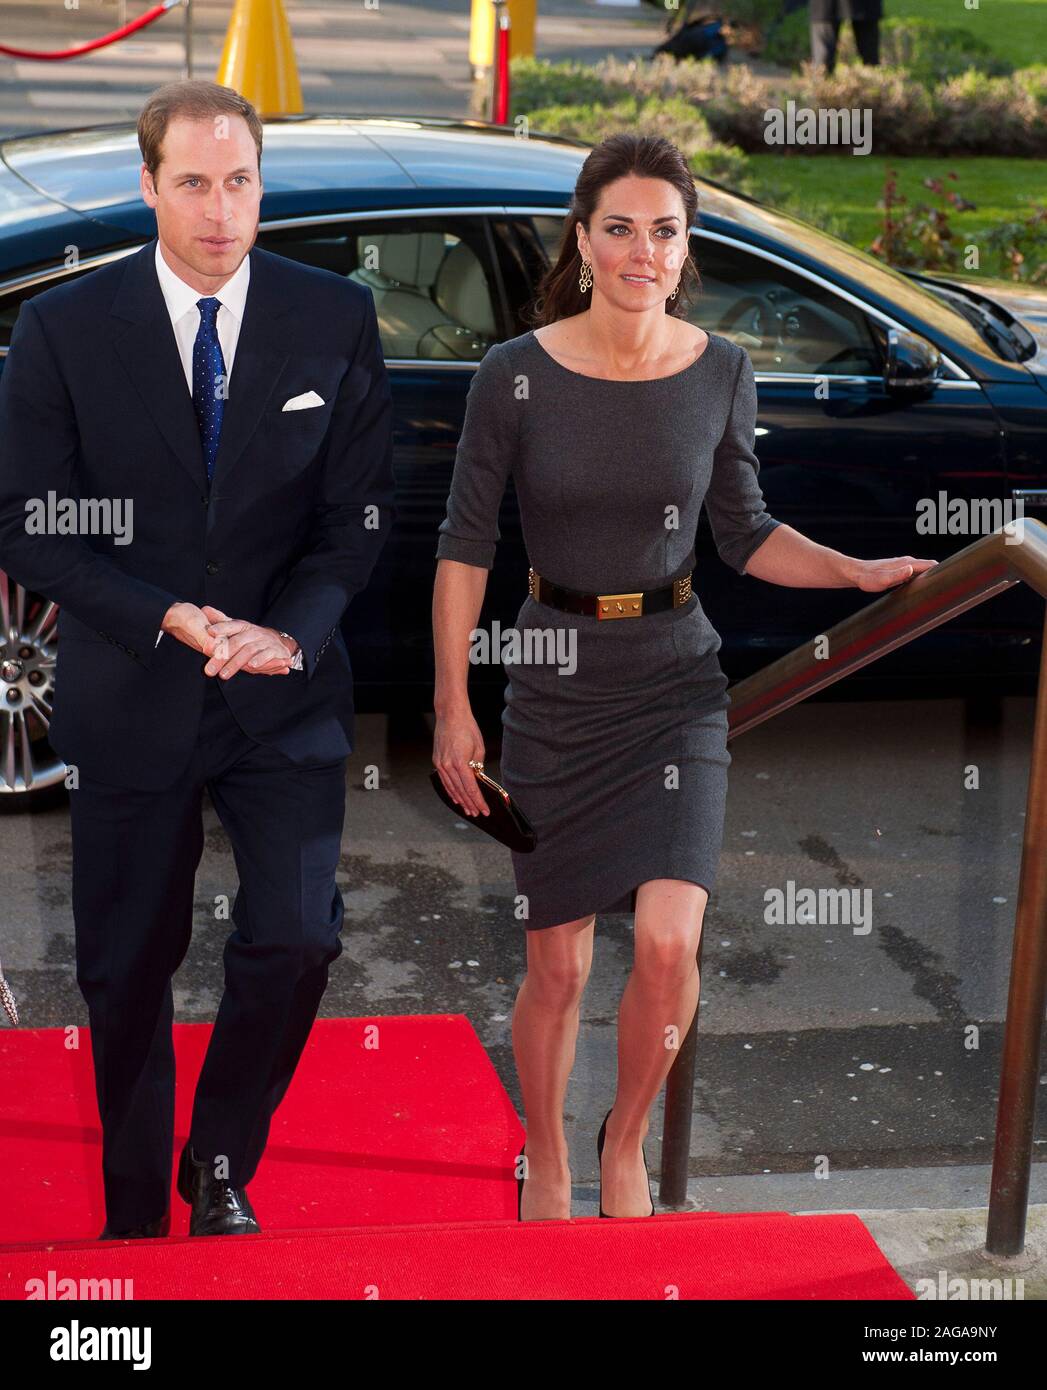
x,y
135,856
825,35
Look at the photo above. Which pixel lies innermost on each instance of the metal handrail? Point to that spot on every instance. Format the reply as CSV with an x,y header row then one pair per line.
x,y
986,567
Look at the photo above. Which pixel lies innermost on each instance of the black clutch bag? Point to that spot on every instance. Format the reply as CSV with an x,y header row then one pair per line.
x,y
506,822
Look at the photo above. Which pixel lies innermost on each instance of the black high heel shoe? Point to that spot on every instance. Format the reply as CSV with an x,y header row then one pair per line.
x,y
599,1158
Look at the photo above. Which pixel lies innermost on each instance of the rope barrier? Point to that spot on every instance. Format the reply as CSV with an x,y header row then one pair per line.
x,y
117,34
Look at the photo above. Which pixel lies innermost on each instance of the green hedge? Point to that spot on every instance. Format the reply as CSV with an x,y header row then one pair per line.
x,y
674,117
973,113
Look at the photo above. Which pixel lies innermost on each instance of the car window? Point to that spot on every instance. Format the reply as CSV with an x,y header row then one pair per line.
x,y
431,279
550,230
12,301
785,322
522,261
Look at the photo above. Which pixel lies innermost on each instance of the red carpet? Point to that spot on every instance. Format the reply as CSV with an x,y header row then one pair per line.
x,y
770,1256
386,1119
401,1132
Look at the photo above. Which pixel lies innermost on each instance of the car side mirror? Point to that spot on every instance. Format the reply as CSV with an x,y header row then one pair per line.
x,y
912,364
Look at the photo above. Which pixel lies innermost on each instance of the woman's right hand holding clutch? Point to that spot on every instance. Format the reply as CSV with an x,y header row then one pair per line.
x,y
457,741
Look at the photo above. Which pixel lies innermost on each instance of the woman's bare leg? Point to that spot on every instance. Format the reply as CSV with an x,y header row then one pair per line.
x,y
658,1005
545,1031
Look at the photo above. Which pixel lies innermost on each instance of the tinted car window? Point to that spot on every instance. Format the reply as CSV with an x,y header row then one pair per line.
x,y
550,230
431,279
785,322
523,261
11,303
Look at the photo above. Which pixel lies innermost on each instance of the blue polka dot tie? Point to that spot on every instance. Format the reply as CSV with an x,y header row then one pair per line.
x,y
208,381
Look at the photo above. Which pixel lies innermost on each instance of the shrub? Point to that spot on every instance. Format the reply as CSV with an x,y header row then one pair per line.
x,y
1033,81
1022,247
978,114
675,118
724,164
536,83
918,235
903,113
973,113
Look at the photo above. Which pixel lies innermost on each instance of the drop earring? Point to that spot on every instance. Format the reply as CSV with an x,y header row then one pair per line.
x,y
585,280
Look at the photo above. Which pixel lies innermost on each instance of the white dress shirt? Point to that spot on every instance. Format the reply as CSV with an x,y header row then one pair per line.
x,y
181,300
185,316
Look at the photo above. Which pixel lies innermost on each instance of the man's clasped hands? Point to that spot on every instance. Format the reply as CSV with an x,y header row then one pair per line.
x,y
230,644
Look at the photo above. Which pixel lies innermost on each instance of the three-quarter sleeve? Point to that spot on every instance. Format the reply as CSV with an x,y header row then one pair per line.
x,y
469,531
738,517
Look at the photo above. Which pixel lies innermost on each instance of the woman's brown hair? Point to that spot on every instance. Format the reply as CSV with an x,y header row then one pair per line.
x,y
649,157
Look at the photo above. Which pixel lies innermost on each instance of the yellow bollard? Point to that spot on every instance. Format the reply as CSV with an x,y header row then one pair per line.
x,y
258,58
481,34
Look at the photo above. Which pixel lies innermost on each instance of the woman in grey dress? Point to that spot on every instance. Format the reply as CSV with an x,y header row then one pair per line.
x,y
617,419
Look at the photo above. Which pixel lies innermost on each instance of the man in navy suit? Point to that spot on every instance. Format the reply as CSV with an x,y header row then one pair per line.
x,y
237,405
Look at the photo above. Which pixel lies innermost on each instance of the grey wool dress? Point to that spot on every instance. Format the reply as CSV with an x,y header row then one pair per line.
x,y
614,731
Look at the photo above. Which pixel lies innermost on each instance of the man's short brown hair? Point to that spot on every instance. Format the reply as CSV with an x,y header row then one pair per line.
x,y
195,99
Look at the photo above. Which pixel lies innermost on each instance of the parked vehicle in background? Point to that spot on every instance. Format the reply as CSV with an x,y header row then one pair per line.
x,y
877,390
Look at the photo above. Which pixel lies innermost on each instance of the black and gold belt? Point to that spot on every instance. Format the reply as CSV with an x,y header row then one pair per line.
x,y
633,605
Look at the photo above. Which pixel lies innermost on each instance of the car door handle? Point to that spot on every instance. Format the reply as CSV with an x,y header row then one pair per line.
x,y
1031,496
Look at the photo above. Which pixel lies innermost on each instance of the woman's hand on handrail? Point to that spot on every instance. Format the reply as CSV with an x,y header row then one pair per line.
x,y
789,558
874,575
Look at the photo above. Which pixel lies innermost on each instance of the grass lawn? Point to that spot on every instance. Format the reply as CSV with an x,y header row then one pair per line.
x,y
840,192
1015,29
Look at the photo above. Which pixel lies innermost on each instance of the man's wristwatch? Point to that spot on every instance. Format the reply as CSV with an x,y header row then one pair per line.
x,y
296,660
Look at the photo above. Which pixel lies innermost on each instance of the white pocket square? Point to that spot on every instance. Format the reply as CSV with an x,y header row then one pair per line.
x,y
304,401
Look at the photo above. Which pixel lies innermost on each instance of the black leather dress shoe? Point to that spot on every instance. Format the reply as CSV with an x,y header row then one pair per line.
x,y
149,1230
218,1208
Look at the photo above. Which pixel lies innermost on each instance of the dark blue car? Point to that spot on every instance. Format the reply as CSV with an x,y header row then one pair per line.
x,y
878,391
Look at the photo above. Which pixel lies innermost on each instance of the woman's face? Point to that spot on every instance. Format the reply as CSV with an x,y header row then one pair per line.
x,y
637,242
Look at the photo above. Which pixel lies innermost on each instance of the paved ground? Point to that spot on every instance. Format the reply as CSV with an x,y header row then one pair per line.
x,y
815,1040
395,58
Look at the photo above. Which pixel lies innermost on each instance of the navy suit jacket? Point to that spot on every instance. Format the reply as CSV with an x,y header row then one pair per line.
x,y
94,405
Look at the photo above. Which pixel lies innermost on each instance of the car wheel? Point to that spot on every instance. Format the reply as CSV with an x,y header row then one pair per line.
x,y
31,773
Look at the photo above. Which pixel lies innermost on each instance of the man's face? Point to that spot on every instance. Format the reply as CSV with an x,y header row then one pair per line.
x,y
206,196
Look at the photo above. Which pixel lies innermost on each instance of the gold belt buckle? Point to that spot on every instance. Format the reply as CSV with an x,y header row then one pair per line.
x,y
619,605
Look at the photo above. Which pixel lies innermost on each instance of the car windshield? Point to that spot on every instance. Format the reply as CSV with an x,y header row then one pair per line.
x,y
1000,329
